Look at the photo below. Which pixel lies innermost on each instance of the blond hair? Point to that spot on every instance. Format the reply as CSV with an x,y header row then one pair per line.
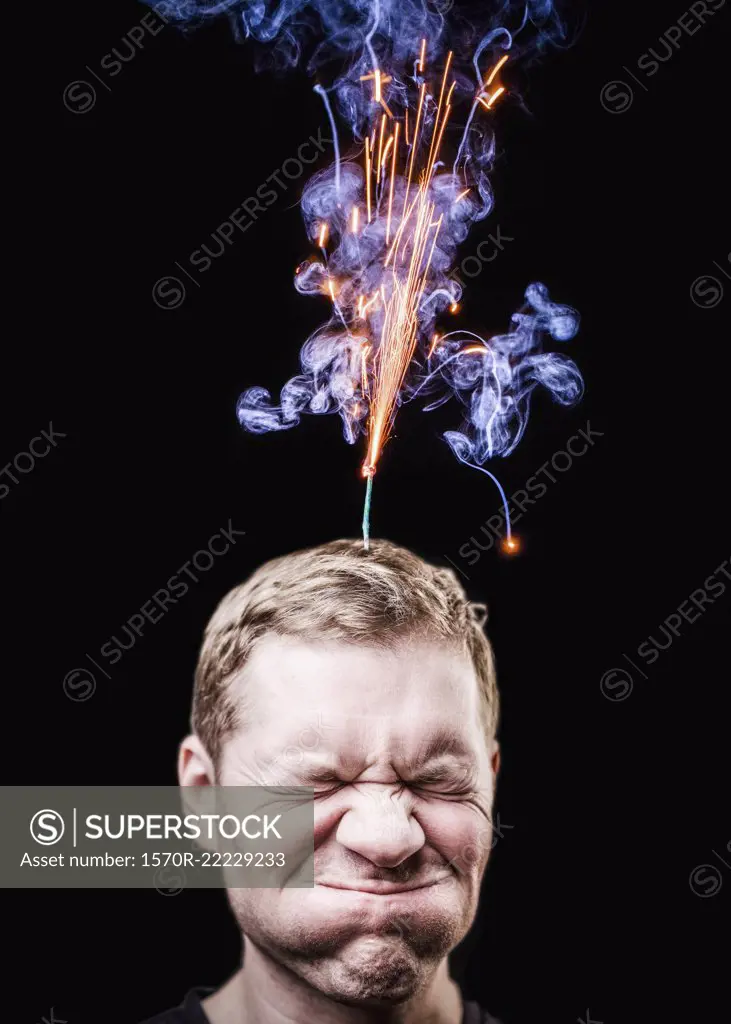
x,y
337,591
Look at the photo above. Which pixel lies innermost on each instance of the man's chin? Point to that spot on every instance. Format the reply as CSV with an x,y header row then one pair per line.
x,y
377,969
354,947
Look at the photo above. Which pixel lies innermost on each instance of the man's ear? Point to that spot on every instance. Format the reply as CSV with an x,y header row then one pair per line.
x,y
495,760
196,777
195,767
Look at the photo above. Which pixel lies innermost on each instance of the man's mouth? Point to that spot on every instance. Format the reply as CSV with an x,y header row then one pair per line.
x,y
380,888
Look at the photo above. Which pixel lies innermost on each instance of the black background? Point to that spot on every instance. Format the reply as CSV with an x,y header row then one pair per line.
x,y
610,804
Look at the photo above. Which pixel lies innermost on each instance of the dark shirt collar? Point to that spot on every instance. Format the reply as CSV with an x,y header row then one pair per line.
x,y
192,1012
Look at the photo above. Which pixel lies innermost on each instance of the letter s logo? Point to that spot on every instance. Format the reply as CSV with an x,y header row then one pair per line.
x,y
47,827
651,655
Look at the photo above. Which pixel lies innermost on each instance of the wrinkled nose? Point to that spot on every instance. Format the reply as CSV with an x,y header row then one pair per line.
x,y
379,826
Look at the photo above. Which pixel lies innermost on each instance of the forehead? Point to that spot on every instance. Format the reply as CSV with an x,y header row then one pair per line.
x,y
419,690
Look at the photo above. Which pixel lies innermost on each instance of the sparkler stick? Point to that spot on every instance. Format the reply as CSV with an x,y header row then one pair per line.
x,y
367,512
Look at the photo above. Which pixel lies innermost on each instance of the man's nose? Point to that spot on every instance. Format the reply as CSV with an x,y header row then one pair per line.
x,y
380,827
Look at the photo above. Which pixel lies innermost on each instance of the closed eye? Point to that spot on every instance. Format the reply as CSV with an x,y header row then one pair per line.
x,y
321,778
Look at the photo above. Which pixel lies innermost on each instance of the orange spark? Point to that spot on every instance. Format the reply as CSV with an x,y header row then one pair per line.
x,y
409,255
354,219
401,230
511,545
489,103
432,150
461,195
384,155
416,136
380,146
364,368
393,175
422,55
496,69
399,333
323,235
367,78
433,164
485,98
454,307
368,178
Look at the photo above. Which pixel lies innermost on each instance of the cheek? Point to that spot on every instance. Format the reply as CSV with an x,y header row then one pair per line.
x,y
256,909
459,832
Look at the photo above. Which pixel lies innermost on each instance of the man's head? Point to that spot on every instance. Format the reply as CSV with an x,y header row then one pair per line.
x,y
367,676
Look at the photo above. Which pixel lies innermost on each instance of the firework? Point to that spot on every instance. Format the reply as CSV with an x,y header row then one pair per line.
x,y
387,218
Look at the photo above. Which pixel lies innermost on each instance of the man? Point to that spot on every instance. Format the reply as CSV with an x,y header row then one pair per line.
x,y
366,675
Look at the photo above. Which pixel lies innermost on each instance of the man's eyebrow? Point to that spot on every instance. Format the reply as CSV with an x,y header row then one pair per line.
x,y
441,746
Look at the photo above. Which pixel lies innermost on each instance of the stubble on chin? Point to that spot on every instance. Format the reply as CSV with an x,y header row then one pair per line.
x,y
377,969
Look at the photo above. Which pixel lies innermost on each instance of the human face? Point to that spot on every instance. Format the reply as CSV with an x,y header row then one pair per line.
x,y
393,746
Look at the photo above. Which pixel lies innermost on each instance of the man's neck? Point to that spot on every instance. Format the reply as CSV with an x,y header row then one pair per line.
x,y
267,993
